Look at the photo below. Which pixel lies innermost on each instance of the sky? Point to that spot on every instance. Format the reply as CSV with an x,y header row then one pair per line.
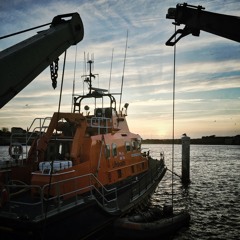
x,y
207,70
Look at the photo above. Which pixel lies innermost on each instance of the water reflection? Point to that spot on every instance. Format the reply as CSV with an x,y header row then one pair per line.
x,y
212,197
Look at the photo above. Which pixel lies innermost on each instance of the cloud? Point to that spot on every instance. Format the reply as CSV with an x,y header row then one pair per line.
x,y
207,67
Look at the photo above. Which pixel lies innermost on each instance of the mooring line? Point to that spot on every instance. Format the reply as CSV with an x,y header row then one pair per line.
x,y
174,173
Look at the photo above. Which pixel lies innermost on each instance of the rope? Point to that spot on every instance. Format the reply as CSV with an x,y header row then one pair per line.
x,y
26,30
173,106
174,173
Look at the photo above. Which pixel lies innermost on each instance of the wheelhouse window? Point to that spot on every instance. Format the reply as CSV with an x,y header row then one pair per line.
x,y
138,143
107,151
134,145
114,150
127,146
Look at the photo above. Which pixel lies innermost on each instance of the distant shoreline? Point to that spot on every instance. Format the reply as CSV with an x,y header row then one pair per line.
x,y
20,137
208,140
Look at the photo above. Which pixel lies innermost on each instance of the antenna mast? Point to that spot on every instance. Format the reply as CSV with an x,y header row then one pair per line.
x,y
73,90
110,72
123,72
88,77
84,69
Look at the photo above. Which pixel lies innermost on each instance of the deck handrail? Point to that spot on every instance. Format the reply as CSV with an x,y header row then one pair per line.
x,y
99,194
28,187
41,122
91,186
41,128
93,189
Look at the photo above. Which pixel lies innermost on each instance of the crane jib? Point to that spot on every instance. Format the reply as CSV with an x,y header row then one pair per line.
x,y
31,56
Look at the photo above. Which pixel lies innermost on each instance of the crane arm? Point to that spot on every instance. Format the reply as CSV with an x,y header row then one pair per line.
x,y
195,19
23,62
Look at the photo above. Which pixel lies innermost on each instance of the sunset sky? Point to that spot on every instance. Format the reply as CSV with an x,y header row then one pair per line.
x,y
207,67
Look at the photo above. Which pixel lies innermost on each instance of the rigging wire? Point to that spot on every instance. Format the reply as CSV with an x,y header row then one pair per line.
x,y
23,31
123,71
60,97
110,78
85,71
173,110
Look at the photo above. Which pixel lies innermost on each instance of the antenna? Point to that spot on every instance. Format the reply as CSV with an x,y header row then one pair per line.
x,y
85,69
85,65
92,58
88,78
110,78
123,71
87,61
73,90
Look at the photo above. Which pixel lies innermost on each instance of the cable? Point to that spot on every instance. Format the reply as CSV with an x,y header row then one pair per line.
x,y
123,71
173,120
110,78
60,97
29,29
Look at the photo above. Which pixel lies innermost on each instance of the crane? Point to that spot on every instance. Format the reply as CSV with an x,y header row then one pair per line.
x,y
195,19
24,61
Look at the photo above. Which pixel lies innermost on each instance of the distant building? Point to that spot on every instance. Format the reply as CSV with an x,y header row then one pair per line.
x,y
17,130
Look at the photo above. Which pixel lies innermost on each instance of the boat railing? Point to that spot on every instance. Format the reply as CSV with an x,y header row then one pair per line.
x,y
141,184
40,123
22,139
18,200
40,128
39,202
106,198
101,123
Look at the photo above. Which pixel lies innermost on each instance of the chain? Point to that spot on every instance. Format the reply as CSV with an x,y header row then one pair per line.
x,y
54,72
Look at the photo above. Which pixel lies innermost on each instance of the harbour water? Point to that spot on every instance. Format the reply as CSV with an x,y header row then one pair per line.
x,y
213,196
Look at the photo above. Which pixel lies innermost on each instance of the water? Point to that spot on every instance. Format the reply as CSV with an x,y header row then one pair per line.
x,y
213,196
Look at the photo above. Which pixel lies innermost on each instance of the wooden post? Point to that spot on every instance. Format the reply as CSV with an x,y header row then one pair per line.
x,y
185,159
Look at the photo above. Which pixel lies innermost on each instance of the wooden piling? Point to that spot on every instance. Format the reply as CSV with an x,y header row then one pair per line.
x,y
185,159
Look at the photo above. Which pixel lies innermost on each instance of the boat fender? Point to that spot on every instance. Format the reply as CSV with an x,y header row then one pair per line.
x,y
4,196
15,150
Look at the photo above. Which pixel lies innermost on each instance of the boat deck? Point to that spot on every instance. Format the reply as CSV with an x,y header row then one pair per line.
x,y
25,209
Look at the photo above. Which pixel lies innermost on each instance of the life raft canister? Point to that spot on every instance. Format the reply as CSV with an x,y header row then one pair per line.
x,y
4,196
15,150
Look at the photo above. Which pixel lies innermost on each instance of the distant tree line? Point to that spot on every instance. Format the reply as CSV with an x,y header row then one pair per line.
x,y
4,129
210,140
5,136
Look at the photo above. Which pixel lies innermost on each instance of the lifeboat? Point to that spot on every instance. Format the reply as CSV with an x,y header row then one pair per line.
x,y
83,170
